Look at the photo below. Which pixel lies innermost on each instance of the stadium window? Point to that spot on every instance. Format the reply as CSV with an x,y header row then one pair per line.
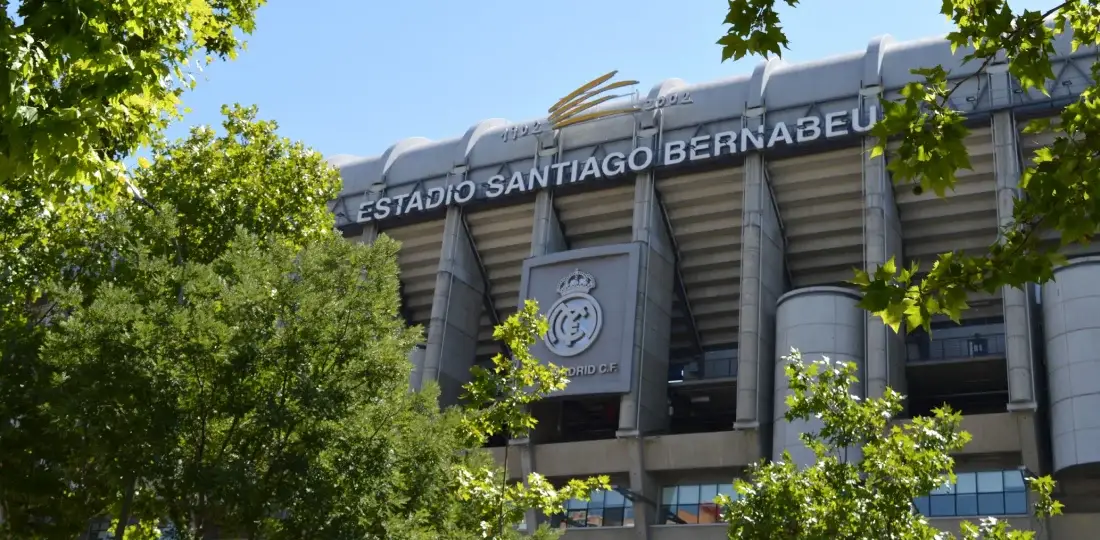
x,y
989,493
693,504
603,509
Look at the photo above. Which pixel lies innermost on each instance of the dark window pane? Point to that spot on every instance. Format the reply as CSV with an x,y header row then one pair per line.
x,y
922,505
1016,503
990,504
966,505
943,505
577,518
557,521
613,517
688,512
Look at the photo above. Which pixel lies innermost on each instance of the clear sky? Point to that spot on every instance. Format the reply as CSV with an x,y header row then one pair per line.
x,y
356,76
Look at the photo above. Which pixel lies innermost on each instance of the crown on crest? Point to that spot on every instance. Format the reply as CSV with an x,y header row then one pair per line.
x,y
576,282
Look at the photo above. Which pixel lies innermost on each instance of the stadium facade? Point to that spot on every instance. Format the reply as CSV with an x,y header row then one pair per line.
x,y
679,251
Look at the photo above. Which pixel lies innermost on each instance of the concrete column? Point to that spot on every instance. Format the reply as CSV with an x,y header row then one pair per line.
x,y
819,321
1017,303
546,233
456,312
642,483
369,234
763,280
885,349
645,408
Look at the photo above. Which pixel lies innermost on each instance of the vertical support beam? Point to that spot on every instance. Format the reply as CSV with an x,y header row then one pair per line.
x,y
642,483
456,311
645,408
763,280
885,349
546,233
369,234
1017,304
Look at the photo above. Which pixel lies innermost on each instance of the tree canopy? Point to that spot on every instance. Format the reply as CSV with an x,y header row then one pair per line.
x,y
218,359
1060,187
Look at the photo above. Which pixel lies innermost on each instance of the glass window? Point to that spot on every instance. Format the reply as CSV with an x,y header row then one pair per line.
x,y
603,509
991,482
966,483
690,504
989,493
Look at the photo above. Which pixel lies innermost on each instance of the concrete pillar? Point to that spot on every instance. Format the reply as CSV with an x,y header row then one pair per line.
x,y
369,234
645,408
456,312
818,321
642,483
1017,303
763,280
885,349
546,233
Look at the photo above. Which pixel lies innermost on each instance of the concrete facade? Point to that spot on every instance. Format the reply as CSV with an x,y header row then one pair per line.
x,y
747,223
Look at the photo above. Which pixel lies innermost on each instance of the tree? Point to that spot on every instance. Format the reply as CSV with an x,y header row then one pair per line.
x,y
870,499
225,363
207,186
1060,188
87,83
272,402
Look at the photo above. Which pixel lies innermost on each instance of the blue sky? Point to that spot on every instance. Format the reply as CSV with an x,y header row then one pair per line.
x,y
356,76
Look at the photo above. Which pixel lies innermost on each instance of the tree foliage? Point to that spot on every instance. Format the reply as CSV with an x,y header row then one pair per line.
x,y
868,499
205,188
1060,187
86,83
220,360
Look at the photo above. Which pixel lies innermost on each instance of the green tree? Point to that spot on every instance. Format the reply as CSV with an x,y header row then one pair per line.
x,y
86,84
866,500
207,186
272,401
1060,187
223,361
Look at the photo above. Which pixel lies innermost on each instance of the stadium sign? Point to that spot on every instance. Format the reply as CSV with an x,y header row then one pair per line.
x,y
570,110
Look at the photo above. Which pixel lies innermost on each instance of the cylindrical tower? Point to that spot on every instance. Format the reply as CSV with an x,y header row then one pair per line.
x,y
818,321
1071,317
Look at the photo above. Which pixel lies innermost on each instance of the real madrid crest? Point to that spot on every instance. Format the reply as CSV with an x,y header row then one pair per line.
x,y
575,318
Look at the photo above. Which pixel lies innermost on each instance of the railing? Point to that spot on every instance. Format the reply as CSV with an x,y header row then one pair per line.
x,y
711,365
922,349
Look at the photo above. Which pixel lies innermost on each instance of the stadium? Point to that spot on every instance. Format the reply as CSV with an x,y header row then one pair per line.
x,y
681,249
